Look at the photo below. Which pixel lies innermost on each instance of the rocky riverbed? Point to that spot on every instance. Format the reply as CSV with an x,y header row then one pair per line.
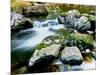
x,y
64,43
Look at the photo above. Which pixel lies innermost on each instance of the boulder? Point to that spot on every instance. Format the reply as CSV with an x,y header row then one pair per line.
x,y
36,10
69,19
70,22
92,20
15,17
73,13
82,41
41,64
21,24
50,46
61,19
49,50
82,37
53,39
82,24
71,56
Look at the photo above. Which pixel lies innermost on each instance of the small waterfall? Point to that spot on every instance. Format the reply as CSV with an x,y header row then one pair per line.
x,y
39,24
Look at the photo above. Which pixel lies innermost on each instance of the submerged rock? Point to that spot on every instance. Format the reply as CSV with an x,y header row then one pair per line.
x,y
71,56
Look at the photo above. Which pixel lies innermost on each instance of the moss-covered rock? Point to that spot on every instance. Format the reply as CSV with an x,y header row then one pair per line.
x,y
51,45
53,39
84,37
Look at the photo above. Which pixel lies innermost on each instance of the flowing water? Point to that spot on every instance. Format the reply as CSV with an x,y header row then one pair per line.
x,y
27,39
22,47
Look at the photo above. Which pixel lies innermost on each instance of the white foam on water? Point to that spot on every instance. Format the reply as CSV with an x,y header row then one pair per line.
x,y
41,33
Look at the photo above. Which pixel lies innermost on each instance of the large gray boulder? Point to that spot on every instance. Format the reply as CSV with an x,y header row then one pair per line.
x,y
71,56
49,50
82,24
69,19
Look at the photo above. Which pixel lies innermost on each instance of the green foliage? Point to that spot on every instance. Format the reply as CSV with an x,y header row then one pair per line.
x,y
53,14
63,14
18,6
67,7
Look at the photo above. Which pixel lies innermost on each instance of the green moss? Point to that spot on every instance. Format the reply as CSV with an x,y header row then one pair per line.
x,y
90,17
63,14
40,46
53,14
53,37
84,37
63,32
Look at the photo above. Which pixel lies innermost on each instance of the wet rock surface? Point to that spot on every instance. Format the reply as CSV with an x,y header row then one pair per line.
x,y
49,46
72,56
19,23
82,24
74,20
41,64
